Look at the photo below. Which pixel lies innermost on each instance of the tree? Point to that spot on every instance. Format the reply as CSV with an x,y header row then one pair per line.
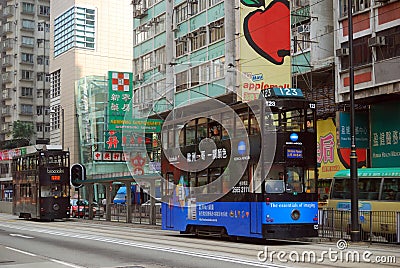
x,y
22,130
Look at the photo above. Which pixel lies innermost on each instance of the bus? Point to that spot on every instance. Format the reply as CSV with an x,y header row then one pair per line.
x,y
242,169
41,184
379,201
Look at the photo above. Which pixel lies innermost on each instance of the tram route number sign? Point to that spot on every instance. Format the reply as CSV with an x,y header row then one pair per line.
x,y
281,92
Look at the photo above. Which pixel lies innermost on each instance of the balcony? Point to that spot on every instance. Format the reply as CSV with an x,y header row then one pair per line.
x,y
7,44
6,94
8,28
8,11
7,77
6,111
7,61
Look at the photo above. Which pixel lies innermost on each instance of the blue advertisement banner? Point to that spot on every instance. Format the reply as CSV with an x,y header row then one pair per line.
x,y
236,217
287,212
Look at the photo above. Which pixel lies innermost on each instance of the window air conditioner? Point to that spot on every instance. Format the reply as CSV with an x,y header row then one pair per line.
x,y
341,52
377,41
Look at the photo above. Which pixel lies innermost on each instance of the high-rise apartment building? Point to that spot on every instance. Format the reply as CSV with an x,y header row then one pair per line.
x,y
88,38
24,67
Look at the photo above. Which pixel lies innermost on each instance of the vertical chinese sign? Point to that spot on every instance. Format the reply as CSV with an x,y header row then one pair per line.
x,y
119,103
264,46
327,156
385,130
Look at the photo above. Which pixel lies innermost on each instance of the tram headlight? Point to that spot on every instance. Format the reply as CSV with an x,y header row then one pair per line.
x,y
295,215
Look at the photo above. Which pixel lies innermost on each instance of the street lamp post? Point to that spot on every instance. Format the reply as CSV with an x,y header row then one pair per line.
x,y
355,227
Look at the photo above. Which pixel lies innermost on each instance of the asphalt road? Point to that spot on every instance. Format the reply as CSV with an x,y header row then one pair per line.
x,y
76,243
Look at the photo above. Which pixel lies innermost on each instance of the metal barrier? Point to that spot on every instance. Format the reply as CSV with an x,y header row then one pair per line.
x,y
375,226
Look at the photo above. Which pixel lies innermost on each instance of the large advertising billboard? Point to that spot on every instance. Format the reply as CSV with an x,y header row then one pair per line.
x,y
264,46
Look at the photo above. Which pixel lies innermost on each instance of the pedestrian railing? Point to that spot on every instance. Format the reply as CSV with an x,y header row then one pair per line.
x,y
139,214
375,226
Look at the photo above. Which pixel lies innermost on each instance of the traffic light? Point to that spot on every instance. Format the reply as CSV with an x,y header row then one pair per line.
x,y
78,173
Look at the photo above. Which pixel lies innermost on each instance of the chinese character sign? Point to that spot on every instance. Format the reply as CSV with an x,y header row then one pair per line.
x,y
327,156
385,131
119,96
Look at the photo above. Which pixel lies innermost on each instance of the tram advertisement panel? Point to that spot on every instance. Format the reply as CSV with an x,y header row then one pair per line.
x,y
54,174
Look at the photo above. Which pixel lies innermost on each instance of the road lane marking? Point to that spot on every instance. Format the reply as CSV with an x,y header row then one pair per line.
x,y
144,246
22,236
21,251
66,263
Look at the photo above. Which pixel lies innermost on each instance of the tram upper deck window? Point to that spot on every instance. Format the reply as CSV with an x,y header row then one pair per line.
x,y
227,123
254,126
201,129
190,131
292,120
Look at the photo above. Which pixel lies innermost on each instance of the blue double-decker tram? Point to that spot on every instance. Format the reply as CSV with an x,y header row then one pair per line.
x,y
242,169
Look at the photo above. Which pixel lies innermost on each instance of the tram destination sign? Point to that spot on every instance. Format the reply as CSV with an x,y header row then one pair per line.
x,y
281,93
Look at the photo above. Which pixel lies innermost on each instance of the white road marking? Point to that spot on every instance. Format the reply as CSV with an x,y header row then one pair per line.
x,y
22,236
143,246
66,263
23,252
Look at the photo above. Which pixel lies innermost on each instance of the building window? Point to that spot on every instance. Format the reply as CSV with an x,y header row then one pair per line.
x,y
146,62
43,26
217,31
181,47
27,58
392,47
141,34
40,60
213,2
218,68
26,92
362,53
39,127
40,77
159,24
27,109
198,6
55,86
44,10
28,24
26,75
204,72
74,28
28,7
28,41
55,117
160,55
181,81
195,76
181,12
198,39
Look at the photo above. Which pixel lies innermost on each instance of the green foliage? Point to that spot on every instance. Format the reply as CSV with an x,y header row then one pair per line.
x,y
22,130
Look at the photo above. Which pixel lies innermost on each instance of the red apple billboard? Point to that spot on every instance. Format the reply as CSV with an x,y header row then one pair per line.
x,y
264,46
